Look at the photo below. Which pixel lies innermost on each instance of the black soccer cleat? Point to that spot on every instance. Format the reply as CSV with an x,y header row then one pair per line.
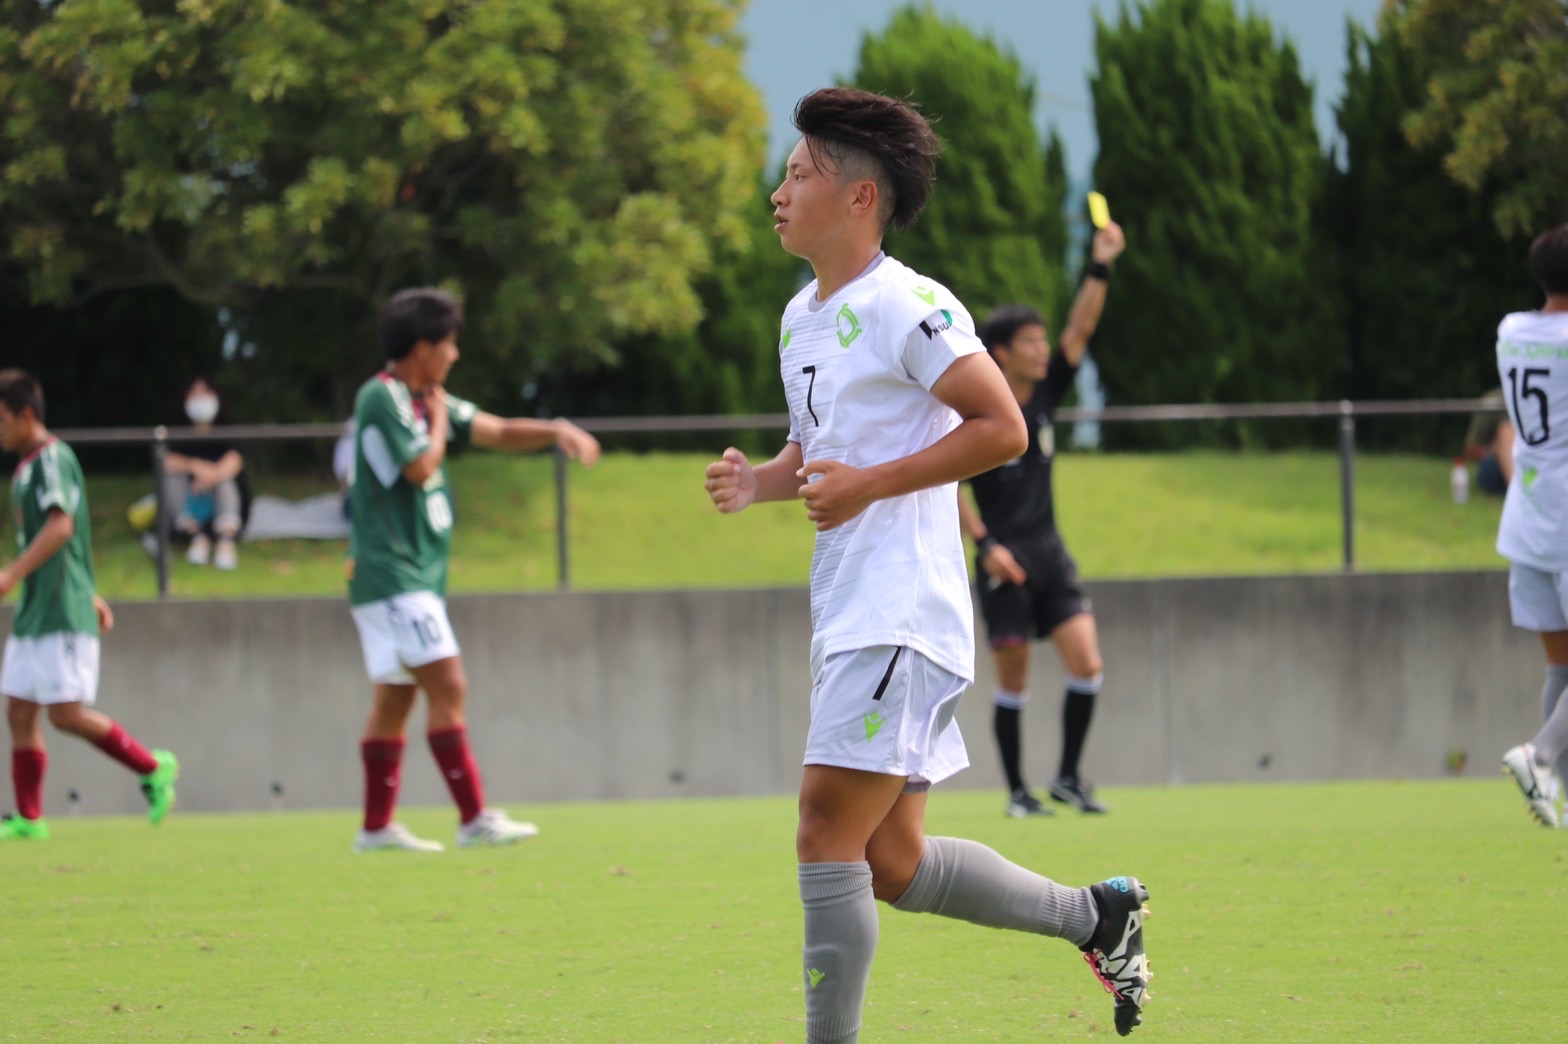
x,y
1115,951
1078,793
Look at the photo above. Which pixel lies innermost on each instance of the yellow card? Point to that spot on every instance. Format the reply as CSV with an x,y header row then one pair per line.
x,y
1099,210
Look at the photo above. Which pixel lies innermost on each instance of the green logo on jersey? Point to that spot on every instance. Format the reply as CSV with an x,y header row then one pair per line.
x,y
848,327
815,976
874,722
925,293
785,343
1530,475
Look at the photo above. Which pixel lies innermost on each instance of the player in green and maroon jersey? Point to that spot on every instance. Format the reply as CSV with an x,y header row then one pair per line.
x,y
51,657
400,533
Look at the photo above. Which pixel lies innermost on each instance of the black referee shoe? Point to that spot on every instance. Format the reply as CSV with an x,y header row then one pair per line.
x,y
1078,793
1023,804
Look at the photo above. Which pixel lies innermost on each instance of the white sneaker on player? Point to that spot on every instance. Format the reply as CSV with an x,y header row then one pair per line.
x,y
1533,781
394,836
493,827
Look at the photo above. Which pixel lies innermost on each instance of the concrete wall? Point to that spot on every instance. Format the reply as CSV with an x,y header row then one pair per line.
x,y
644,695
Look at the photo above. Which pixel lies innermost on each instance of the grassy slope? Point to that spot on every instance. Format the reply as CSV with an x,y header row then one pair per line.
x,y
1352,911
643,521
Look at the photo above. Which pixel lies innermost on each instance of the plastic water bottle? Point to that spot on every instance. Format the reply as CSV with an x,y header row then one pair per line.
x,y
1459,481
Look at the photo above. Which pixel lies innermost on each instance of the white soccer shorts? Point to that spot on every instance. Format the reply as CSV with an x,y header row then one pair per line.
x,y
52,668
887,709
404,631
1537,600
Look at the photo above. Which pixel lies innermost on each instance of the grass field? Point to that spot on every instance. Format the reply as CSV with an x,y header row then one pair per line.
x,y
1380,911
643,521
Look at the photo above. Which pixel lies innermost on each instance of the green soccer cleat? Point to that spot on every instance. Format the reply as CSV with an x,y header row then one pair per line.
x,y
158,785
15,828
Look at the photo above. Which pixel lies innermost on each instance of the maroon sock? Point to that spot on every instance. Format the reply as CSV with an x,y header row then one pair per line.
x,y
450,747
27,774
122,747
383,760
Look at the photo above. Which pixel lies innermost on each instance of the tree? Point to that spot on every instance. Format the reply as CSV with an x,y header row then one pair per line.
x,y
1426,275
730,363
1210,158
569,166
995,231
1496,100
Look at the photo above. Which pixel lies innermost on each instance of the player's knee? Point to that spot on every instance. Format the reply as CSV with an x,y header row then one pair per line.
x,y
813,835
19,716
891,872
1089,666
67,717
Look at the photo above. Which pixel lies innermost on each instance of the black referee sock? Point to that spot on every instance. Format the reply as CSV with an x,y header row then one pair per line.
x,y
1077,712
1009,743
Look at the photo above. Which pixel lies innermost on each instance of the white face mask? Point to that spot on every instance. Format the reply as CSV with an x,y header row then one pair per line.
x,y
201,409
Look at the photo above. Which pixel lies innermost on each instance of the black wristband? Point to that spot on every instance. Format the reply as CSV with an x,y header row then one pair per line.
x,y
984,545
1098,270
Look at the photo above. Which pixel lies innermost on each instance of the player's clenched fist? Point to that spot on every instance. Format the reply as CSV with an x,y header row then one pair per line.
x,y
731,482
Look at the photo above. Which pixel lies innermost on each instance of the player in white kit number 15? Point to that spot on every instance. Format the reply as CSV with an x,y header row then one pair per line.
x,y
1532,359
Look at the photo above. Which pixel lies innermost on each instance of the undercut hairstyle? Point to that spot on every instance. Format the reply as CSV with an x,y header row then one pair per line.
x,y
858,134
1002,325
423,313
20,390
1549,260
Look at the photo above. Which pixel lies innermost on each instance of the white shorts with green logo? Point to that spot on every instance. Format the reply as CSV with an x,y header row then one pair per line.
x,y
887,709
52,668
404,631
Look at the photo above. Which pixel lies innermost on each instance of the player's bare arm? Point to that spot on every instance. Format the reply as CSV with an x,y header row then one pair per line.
x,y
521,434
54,535
419,470
105,614
1084,317
733,484
997,561
991,432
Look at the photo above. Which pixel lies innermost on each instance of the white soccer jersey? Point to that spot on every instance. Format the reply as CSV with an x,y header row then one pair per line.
x,y
1532,359
858,370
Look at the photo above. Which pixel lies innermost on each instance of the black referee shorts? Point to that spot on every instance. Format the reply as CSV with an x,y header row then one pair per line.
x,y
1016,614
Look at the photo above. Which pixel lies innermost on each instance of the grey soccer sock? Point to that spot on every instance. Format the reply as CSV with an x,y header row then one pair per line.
x,y
1552,741
967,880
841,939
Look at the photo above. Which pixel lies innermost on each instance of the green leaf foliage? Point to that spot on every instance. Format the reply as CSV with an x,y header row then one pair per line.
x,y
1495,101
1211,162
1426,275
995,231
571,166
728,364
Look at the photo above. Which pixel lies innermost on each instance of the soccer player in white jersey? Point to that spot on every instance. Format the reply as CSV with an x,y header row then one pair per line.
x,y
400,531
1532,359
892,402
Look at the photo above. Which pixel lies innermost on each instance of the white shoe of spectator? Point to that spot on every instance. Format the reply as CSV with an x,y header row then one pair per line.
x,y
200,552
225,555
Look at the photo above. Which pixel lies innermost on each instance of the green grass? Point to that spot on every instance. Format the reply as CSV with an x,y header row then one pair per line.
x,y
643,521
1347,912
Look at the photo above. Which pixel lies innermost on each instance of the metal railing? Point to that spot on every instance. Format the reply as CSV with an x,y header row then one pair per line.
x,y
1347,412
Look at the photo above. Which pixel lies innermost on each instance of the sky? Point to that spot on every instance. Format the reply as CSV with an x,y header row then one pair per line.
x,y
796,46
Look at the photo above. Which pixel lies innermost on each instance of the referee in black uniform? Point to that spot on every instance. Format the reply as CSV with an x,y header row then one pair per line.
x,y
1028,582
